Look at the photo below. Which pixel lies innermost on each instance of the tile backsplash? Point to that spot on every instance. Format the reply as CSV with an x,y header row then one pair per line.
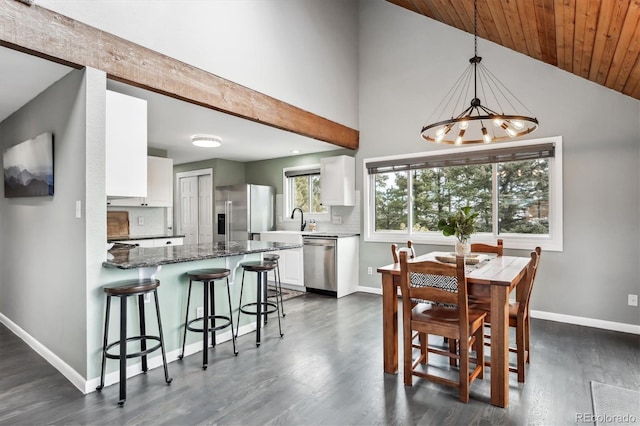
x,y
154,220
350,217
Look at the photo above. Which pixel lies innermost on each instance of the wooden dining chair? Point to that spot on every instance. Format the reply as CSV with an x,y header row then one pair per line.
x,y
519,317
409,249
488,248
458,323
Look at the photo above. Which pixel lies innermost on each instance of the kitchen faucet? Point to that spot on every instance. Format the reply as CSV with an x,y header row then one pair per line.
x,y
303,223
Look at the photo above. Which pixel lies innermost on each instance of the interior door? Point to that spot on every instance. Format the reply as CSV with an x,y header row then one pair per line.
x,y
189,209
205,213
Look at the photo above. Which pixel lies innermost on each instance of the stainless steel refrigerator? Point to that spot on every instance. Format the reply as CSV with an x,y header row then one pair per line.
x,y
242,211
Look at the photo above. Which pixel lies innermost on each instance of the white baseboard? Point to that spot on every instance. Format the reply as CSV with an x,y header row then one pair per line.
x,y
588,322
372,290
67,371
88,386
156,361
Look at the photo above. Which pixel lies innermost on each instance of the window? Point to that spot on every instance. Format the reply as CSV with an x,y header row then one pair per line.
x,y
302,189
515,187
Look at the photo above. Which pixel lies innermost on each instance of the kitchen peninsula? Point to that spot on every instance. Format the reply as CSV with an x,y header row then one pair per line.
x,y
147,257
169,264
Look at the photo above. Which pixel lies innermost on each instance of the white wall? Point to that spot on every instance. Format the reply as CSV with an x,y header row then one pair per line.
x,y
43,287
303,52
407,65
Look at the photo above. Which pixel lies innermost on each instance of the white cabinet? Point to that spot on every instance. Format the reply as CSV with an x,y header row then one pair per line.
x,y
291,261
159,186
347,265
126,146
338,181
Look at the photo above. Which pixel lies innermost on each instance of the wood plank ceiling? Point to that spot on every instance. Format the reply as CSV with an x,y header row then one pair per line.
x,y
595,39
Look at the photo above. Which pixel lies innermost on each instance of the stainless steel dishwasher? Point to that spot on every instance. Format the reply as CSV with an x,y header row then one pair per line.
x,y
320,264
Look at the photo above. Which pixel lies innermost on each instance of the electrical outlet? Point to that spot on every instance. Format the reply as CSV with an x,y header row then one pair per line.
x,y
632,300
147,298
199,311
336,220
141,220
369,270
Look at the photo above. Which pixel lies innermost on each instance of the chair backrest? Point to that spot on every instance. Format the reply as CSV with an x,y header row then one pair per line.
x,y
409,249
532,270
488,248
436,271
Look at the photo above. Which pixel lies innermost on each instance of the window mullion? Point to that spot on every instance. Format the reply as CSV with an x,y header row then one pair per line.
x,y
495,197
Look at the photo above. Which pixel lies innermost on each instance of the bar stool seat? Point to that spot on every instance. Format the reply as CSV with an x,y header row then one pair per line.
x,y
261,307
124,290
207,277
272,257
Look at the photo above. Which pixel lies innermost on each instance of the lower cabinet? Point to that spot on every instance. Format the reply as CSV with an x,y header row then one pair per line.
x,y
291,266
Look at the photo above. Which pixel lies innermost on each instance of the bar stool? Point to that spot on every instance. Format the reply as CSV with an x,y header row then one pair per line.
x,y
262,306
124,289
208,278
272,257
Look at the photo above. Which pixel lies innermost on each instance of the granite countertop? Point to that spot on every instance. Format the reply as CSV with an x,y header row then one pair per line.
x,y
141,257
329,234
142,237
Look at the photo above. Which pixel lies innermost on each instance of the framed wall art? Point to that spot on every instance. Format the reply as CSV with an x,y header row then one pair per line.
x,y
28,168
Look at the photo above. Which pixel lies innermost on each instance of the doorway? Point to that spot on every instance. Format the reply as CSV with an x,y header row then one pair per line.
x,y
194,213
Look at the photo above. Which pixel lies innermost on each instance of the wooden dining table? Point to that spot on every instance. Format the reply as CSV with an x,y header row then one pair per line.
x,y
494,278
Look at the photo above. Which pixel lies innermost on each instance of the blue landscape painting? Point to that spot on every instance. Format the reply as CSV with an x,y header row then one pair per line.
x,y
28,168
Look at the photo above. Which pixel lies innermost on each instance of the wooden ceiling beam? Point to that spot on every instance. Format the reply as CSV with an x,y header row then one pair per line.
x,y
39,31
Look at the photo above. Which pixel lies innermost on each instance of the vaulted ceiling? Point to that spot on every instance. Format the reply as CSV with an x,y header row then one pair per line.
x,y
595,39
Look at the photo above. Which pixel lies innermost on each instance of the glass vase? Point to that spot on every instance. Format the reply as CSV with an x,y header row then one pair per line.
x,y
463,248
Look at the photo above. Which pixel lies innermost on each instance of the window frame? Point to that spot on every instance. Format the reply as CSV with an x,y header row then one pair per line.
x,y
286,191
552,242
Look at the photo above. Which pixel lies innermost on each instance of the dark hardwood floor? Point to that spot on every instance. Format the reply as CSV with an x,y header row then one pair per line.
x,y
326,370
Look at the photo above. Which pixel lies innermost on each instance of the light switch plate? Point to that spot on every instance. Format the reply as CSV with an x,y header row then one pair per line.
x,y
336,220
141,220
78,209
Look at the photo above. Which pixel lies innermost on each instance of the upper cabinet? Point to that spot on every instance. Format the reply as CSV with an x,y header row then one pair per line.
x,y
126,146
159,186
338,181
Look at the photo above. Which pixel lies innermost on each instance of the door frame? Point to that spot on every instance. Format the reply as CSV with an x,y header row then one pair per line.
x,y
178,207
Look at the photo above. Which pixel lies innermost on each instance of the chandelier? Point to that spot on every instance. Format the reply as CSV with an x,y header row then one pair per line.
x,y
477,123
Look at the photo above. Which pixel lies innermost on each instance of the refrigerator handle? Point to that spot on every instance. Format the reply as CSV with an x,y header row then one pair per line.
x,y
227,213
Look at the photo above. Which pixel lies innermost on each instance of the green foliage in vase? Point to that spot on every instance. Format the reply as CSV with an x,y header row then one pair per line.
x,y
461,224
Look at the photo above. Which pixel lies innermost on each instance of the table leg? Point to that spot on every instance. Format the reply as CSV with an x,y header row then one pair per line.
x,y
389,324
500,345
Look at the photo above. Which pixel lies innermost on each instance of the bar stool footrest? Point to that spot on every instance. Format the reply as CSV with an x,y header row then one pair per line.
x,y
267,308
214,317
134,354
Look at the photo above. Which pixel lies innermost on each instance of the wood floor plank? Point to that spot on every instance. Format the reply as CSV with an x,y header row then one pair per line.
x,y
326,370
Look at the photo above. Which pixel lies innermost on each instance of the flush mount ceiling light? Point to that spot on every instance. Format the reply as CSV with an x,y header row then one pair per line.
x,y
477,123
206,141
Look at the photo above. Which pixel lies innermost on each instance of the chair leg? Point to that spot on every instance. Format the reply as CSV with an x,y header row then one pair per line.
x,y
527,336
205,327
104,344
277,270
424,350
464,369
453,348
164,355
479,349
408,357
520,349
186,320
212,311
240,304
123,350
233,336
143,332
